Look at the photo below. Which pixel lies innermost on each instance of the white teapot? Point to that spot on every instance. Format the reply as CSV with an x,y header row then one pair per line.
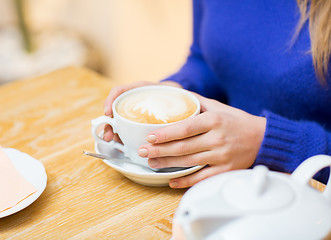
x,y
257,204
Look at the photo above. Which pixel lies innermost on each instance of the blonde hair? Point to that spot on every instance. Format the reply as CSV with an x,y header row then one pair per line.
x,y
319,14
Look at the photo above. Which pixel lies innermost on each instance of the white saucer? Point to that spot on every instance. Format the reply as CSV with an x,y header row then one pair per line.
x,y
33,171
141,175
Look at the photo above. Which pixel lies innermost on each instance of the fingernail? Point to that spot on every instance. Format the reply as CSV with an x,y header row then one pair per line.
x,y
153,162
173,184
106,110
143,152
151,138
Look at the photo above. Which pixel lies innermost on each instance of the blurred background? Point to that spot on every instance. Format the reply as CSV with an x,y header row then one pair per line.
x,y
124,40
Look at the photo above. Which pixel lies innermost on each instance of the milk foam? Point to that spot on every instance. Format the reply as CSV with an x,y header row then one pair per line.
x,y
156,106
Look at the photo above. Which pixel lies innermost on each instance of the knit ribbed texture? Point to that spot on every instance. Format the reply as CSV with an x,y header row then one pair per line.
x,y
287,143
278,145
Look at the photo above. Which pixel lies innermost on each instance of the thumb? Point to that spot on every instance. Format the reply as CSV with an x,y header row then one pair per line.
x,y
207,103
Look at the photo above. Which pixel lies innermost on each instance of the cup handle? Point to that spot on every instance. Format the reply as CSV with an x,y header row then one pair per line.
x,y
310,167
107,120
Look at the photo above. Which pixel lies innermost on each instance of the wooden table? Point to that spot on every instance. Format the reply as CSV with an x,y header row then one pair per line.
x,y
49,118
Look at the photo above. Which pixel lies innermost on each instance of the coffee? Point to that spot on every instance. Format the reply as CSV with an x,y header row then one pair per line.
x,y
156,106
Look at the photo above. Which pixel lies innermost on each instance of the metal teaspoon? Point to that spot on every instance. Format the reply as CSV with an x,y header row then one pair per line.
x,y
116,160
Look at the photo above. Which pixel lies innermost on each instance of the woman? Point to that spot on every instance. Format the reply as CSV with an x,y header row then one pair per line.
x,y
261,69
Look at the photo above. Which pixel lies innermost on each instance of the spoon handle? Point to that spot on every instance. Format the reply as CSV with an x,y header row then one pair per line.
x,y
101,156
161,170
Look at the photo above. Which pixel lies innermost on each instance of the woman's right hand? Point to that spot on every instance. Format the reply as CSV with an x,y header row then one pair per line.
x,y
118,90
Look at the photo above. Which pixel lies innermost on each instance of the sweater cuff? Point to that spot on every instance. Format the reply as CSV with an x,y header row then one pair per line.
x,y
287,144
277,146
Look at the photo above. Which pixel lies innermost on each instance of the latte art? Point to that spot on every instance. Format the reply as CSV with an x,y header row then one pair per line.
x,y
156,106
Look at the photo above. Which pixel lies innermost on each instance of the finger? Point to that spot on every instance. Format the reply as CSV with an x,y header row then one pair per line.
x,y
118,90
116,138
108,133
186,146
190,180
207,104
184,129
201,158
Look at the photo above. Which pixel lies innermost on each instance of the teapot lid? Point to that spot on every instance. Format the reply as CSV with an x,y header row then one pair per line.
x,y
258,190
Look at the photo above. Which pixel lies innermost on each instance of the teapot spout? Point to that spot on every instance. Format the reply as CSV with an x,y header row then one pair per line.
x,y
199,223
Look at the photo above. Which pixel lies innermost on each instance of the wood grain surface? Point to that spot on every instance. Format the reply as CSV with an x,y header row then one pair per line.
x,y
49,118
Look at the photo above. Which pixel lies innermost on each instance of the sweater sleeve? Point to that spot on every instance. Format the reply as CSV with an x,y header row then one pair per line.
x,y
288,143
195,75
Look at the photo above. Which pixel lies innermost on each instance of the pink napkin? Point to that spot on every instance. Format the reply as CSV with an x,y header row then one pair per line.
x,y
14,188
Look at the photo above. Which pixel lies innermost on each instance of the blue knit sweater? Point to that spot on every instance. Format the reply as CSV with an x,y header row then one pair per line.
x,y
241,55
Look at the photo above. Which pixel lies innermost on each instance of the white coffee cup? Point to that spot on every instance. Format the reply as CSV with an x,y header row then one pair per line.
x,y
132,133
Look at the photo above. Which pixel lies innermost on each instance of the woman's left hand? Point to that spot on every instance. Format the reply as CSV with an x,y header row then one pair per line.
x,y
222,137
